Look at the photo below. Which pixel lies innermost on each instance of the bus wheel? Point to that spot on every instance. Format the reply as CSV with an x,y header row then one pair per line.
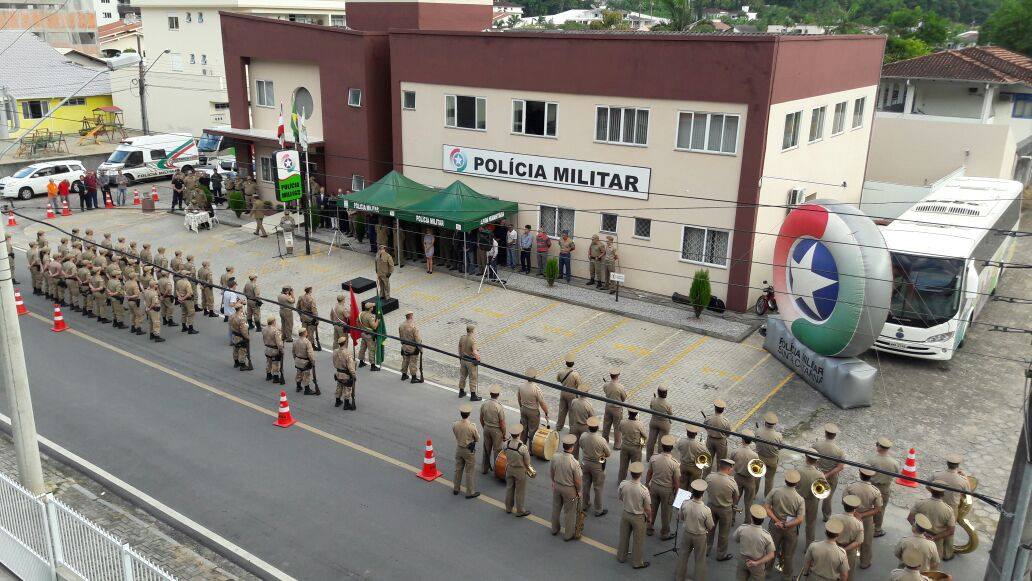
x,y
966,329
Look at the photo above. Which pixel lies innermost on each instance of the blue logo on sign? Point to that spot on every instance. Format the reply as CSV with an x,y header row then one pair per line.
x,y
813,279
458,159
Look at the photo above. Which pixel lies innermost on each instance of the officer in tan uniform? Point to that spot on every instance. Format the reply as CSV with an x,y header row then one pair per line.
x,y
825,560
146,256
716,441
698,522
517,465
632,440
571,379
768,453
747,483
345,374
755,546
721,497
384,269
304,363
870,505
309,311
532,403
614,390
580,410
911,561
339,317
469,354
595,253
68,281
609,260
254,303
272,338
99,297
883,461
410,353
687,451
852,535
830,468
35,271
152,304
595,453
492,419
566,476
921,544
659,426
955,477
115,298
176,265
809,474
466,438
663,482
286,300
167,290
940,515
207,291
368,322
133,293
241,338
785,508
637,514
224,280
185,297
191,271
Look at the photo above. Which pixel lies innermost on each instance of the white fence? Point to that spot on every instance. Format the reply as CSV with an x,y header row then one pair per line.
x,y
38,535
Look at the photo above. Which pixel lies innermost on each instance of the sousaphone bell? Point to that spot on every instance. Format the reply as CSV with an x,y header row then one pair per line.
x,y
757,468
703,461
820,488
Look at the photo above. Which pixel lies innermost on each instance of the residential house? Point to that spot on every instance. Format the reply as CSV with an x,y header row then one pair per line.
x,y
635,20
796,29
121,35
61,23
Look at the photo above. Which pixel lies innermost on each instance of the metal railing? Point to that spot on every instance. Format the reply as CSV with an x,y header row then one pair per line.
x,y
40,534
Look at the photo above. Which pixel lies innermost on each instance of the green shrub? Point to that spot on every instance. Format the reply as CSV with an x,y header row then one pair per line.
x,y
699,295
552,270
237,202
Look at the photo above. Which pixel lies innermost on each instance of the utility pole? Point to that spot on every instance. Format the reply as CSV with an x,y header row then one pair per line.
x,y
15,381
143,87
4,135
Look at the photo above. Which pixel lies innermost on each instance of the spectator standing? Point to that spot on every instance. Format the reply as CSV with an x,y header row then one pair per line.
x,y
122,186
512,242
428,250
216,187
543,244
178,186
52,193
566,248
92,183
63,190
526,247
501,231
492,259
341,212
483,244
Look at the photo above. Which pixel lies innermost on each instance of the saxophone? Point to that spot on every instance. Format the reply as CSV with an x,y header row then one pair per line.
x,y
962,511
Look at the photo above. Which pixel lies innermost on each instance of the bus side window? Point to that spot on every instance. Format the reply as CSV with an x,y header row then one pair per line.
x,y
135,159
156,154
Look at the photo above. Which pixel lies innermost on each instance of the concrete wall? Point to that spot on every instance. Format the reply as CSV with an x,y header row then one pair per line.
x,y
287,77
949,99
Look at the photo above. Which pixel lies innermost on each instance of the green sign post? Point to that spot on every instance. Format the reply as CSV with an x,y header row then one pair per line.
x,y
288,175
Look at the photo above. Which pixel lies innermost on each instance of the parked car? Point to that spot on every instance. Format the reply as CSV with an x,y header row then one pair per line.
x,y
32,180
227,166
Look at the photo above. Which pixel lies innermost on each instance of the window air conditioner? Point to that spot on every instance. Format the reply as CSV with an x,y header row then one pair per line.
x,y
796,196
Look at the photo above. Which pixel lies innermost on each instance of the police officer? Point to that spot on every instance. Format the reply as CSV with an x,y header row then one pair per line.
x,y
97,289
167,290
345,374
241,335
721,497
663,482
825,560
304,362
272,338
595,253
254,303
152,304
286,313
659,426
870,505
410,354
955,477
852,536
384,264
609,260
940,515
466,438
809,474
698,522
571,379
185,297
580,411
176,265
911,561
614,390
637,514
10,256
492,419
146,256
69,283
595,452
883,461
339,318
830,468
746,482
786,508
768,453
133,293
207,292
469,356
920,543
35,269
369,323
755,546
517,456
191,272
532,403
566,476
716,441
309,311
687,451
224,280
632,441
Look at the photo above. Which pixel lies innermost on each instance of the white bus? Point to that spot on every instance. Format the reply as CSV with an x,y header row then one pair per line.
x,y
946,251
151,156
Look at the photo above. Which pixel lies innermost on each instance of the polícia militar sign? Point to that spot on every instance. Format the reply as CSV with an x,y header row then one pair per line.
x,y
626,181
288,175
833,278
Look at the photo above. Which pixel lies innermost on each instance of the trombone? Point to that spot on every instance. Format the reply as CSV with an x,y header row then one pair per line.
x,y
820,488
703,461
757,468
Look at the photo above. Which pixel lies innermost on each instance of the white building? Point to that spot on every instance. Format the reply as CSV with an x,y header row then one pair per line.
x,y
795,29
107,11
186,87
119,36
636,20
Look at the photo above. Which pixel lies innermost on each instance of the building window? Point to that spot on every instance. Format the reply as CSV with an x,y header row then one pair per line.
x,y
75,101
175,61
556,220
204,59
709,132
337,20
642,228
188,17
267,171
838,124
465,112
220,106
609,223
35,109
357,183
266,93
355,97
817,124
200,17
534,117
858,112
304,102
408,99
704,245
173,23
193,59
791,138
1022,106
622,125
105,15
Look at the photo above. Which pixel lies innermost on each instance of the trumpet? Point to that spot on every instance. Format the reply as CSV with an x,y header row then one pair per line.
x,y
531,472
703,461
820,488
757,468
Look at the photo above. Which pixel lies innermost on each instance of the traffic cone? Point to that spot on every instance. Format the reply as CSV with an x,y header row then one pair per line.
x,y
50,212
430,471
154,193
65,210
10,218
59,324
285,420
136,198
107,201
19,304
909,469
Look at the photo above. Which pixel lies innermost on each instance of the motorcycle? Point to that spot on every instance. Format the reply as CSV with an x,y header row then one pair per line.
x,y
767,301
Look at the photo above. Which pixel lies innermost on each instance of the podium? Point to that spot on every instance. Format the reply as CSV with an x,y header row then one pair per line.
x,y
388,305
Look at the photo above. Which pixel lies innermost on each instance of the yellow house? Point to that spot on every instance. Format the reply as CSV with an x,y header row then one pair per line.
x,y
67,119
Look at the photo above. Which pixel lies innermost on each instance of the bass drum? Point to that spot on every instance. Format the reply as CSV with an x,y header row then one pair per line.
x,y
545,443
501,461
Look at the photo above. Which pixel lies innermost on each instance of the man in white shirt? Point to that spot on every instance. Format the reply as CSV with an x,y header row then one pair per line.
x,y
229,298
511,247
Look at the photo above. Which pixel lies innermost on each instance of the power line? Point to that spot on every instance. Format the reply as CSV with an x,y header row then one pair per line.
x,y
33,25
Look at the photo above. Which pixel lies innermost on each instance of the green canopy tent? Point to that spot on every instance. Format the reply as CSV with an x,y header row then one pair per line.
x,y
457,207
386,197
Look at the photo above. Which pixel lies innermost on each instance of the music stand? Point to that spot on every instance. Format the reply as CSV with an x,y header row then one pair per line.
x,y
489,268
682,496
338,239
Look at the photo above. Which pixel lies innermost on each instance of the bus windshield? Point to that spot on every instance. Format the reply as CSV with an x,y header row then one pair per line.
x,y
118,156
926,290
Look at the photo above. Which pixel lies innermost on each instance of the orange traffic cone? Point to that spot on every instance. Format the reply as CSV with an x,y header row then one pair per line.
x,y
19,304
430,471
136,198
909,469
65,210
10,218
285,420
50,212
107,201
59,324
154,193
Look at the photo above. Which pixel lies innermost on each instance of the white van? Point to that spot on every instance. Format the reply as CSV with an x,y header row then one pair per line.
x,y
151,156
32,179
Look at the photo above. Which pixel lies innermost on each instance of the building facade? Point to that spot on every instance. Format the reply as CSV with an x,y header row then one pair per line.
x,y
121,35
71,24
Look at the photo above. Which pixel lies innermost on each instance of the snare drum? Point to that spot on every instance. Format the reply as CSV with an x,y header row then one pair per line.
x,y
545,443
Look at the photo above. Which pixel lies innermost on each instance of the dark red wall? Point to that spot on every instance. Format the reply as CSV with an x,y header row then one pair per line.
x,y
419,16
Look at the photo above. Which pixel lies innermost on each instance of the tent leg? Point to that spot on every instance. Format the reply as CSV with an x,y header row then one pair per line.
x,y
397,242
465,262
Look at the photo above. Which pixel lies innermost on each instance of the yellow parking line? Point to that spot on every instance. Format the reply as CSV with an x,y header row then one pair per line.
x,y
603,333
309,428
524,320
666,366
763,401
754,367
456,304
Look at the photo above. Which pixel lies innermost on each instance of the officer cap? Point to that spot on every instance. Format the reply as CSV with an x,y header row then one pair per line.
x,y
954,458
569,358
594,237
495,389
912,558
252,276
830,428
271,320
727,462
531,372
699,485
409,312
792,477
342,341
834,527
146,245
470,328
569,440
934,488
692,429
885,443
340,298
636,468
516,429
770,418
229,269
668,440
162,249
120,239
189,258
662,389
719,403
811,454
923,521
748,433
867,472
302,331
614,371
757,511
593,422
465,408
205,263
851,500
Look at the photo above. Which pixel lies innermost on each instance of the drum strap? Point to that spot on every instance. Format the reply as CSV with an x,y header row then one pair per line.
x,y
565,377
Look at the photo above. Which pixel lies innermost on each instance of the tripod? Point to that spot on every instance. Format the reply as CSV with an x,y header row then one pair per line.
x,y
672,549
490,269
338,240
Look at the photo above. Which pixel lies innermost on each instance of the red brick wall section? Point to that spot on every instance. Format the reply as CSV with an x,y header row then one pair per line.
x,y
808,66
419,16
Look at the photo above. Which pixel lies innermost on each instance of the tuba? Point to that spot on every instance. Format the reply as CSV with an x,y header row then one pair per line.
x,y
757,468
820,489
703,461
962,511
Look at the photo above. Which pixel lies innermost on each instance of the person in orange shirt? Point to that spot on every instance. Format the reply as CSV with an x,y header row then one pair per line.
x,y
52,194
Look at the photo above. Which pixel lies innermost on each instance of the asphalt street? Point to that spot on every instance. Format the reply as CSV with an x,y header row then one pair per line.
x,y
331,497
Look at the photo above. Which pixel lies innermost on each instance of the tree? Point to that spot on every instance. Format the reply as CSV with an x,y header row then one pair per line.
x,y
680,14
699,293
1010,26
898,48
934,30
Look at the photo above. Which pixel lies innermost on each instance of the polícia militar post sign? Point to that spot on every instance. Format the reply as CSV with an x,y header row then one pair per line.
x,y
288,175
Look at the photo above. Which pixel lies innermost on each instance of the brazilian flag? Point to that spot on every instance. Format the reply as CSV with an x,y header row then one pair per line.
x,y
381,332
